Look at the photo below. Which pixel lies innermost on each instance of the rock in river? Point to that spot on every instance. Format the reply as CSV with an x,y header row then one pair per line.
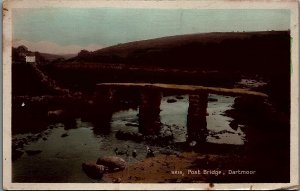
x,y
113,163
64,135
179,97
171,100
210,99
93,170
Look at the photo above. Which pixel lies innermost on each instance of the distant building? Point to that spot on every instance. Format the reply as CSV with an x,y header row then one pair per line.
x,y
30,58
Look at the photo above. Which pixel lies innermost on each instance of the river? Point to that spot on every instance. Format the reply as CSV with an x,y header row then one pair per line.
x,y
61,151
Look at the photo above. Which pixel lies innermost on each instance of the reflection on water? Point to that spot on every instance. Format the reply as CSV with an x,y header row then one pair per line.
x,y
218,123
64,149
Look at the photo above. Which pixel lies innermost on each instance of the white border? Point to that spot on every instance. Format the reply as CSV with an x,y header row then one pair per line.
x,y
8,5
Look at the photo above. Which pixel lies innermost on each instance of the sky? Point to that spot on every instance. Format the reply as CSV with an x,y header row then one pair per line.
x,y
68,30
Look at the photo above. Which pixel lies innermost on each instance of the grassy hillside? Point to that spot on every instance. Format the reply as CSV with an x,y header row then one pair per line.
x,y
256,52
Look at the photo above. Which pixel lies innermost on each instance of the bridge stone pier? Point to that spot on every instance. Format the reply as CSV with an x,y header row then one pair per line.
x,y
150,99
196,118
103,110
149,110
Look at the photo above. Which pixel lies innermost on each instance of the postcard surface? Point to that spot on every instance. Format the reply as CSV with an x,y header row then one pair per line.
x,y
166,94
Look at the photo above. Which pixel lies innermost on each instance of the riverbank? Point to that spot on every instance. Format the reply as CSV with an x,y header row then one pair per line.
x,y
193,167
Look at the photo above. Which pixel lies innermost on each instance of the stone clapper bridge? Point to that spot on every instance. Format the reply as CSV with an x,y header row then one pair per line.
x,y
151,94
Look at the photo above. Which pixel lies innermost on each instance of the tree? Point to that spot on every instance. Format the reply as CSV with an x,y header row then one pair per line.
x,y
22,49
83,54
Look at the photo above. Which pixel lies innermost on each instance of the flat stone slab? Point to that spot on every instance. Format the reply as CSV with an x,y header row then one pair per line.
x,y
191,89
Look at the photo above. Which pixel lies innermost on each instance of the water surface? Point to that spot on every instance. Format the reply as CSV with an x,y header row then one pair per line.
x,y
61,157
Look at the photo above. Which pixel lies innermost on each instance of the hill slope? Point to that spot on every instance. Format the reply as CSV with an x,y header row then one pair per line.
x,y
52,57
244,51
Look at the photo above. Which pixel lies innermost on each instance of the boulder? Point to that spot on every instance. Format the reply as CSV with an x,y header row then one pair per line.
x,y
113,163
93,170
